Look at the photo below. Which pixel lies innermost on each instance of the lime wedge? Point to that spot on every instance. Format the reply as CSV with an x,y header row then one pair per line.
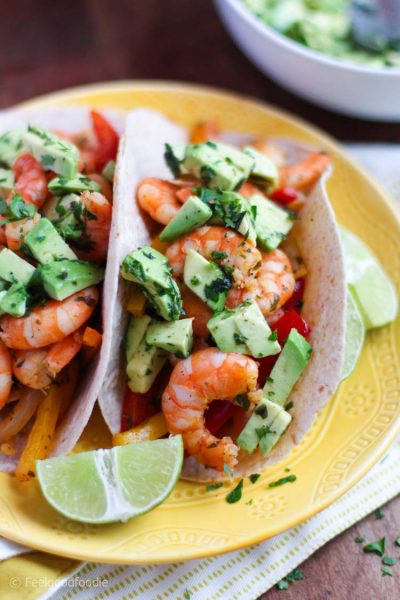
x,y
372,289
355,334
117,484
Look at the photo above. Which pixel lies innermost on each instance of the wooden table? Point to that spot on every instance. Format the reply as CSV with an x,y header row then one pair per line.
x,y
47,45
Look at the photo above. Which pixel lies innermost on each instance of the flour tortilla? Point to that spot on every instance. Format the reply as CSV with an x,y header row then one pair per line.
x,y
70,120
315,234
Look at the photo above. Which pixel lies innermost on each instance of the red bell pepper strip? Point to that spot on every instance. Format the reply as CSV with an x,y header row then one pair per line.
x,y
137,408
107,139
284,196
291,319
218,413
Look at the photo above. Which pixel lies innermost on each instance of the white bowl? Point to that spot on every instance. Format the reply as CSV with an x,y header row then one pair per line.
x,y
357,90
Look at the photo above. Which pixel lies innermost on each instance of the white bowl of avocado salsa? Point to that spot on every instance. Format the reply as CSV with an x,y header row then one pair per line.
x,y
336,75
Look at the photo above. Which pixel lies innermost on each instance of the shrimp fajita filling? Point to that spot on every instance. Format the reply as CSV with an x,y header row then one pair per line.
x,y
55,218
216,339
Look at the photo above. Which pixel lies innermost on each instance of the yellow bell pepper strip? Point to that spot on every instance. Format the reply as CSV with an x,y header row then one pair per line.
x,y
91,337
157,244
136,302
151,429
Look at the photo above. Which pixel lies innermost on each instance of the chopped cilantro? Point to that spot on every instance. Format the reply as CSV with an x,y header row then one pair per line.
x,y
171,160
389,560
377,547
397,541
386,571
262,410
273,336
16,210
295,575
359,540
262,431
216,287
47,160
243,401
253,478
283,584
289,405
378,514
249,502
228,470
239,338
206,174
236,494
195,280
217,255
282,481
213,486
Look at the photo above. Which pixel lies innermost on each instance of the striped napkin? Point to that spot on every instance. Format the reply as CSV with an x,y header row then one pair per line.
x,y
243,574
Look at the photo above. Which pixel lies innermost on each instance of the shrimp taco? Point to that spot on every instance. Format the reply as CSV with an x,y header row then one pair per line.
x,y
232,295
56,191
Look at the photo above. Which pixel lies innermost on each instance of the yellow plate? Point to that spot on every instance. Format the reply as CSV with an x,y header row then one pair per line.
x,y
347,438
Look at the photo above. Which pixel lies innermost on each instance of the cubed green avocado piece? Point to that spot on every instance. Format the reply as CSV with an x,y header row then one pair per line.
x,y
62,278
13,302
243,330
55,153
13,268
46,244
259,424
192,214
272,223
6,181
109,170
234,209
2,294
144,361
264,170
78,184
175,337
135,333
217,165
290,365
11,146
206,280
277,429
66,214
152,272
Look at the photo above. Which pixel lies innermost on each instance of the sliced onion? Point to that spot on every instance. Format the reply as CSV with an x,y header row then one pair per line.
x,y
20,414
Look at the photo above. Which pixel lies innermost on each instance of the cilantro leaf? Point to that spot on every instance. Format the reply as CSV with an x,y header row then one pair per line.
x,y
377,547
17,209
378,514
253,478
386,571
213,486
282,481
389,560
359,540
283,584
236,494
295,575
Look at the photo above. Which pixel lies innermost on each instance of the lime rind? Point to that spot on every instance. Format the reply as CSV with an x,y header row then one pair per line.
x,y
117,484
355,335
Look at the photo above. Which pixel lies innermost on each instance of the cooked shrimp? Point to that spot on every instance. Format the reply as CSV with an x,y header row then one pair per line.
x,y
276,154
15,231
38,368
30,179
205,376
106,187
49,324
97,216
203,131
271,287
239,254
248,189
158,198
195,308
5,374
303,175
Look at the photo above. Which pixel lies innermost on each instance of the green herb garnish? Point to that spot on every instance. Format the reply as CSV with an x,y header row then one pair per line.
x,y
282,481
213,486
253,478
218,255
397,541
378,514
16,210
389,560
236,494
273,336
386,571
377,547
359,540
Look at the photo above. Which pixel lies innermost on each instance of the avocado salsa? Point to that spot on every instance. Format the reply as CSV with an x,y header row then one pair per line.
x,y
243,198
55,217
324,26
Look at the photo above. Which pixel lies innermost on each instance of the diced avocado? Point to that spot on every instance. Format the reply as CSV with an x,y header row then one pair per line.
x,y
66,214
46,244
11,146
192,214
206,280
152,272
244,330
216,165
278,428
272,223
62,278
135,334
13,302
235,212
13,268
6,181
175,337
264,169
2,294
79,183
290,364
259,424
55,153
144,361
109,170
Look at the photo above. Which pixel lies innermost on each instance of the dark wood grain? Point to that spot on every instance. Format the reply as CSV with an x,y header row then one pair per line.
x,y
48,45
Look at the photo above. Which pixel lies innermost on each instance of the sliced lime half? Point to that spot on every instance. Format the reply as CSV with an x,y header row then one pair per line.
x,y
355,334
104,486
372,289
